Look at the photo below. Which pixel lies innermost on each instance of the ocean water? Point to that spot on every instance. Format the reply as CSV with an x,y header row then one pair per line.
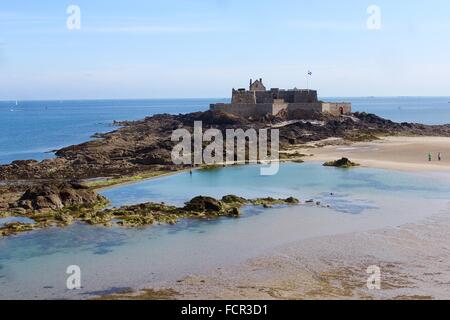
x,y
32,129
33,265
426,110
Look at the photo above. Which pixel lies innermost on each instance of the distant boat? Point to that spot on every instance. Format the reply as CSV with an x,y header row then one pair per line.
x,y
12,109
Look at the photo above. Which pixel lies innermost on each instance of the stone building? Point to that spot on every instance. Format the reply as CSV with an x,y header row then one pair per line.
x,y
257,101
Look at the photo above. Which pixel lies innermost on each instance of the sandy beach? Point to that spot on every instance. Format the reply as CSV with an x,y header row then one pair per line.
x,y
396,153
413,261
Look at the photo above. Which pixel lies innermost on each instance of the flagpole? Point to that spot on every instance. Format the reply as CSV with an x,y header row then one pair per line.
x,y
308,75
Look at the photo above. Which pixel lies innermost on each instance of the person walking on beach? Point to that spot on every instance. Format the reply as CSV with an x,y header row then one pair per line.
x,y
429,156
439,156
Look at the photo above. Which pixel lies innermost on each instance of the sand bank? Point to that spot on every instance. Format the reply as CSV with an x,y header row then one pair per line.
x,y
397,153
413,261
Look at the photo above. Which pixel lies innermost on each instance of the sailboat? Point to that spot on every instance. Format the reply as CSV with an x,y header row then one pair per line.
x,y
12,109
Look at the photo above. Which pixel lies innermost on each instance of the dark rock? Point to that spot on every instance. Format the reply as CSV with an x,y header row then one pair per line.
x,y
292,200
234,212
28,163
233,199
57,196
341,163
202,203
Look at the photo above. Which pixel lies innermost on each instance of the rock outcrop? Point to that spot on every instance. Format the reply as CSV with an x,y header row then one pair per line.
x,y
57,196
127,216
341,163
204,204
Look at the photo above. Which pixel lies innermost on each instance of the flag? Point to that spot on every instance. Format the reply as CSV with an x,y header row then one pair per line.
x,y
309,73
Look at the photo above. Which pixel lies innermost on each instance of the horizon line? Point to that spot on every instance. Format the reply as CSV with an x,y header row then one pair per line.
x,y
207,98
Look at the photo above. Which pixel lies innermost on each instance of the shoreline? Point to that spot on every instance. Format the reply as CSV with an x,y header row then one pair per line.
x,y
401,153
318,153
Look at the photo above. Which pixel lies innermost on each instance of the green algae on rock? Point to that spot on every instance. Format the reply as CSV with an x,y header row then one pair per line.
x,y
198,207
143,214
15,227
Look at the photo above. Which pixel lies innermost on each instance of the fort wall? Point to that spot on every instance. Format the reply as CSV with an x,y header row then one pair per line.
x,y
245,110
261,109
239,96
278,106
337,108
258,102
289,96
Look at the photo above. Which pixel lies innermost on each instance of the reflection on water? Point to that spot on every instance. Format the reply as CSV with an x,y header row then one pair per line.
x,y
119,258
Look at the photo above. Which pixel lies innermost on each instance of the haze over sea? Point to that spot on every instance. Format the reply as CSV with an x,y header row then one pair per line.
x,y
32,129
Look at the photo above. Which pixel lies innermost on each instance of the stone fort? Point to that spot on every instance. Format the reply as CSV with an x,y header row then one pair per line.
x,y
258,102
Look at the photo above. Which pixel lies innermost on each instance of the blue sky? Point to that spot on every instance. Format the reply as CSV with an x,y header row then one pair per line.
x,y
203,48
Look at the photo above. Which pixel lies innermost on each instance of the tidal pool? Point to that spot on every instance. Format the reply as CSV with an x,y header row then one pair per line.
x,y
6,220
33,265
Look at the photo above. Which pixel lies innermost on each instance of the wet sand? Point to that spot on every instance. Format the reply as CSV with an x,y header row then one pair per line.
x,y
413,260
